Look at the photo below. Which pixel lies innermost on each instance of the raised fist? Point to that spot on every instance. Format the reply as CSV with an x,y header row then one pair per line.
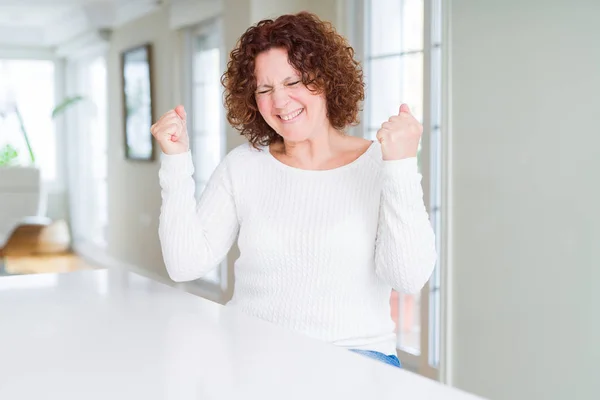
x,y
400,135
170,131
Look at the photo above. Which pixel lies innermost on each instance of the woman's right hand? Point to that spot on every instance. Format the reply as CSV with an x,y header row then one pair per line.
x,y
170,131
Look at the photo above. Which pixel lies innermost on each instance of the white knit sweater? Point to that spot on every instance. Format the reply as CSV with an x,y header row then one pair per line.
x,y
320,250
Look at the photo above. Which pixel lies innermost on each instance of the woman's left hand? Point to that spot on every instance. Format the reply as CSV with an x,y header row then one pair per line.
x,y
399,136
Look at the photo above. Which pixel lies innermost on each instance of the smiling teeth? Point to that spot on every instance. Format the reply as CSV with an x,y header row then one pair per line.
x,y
291,116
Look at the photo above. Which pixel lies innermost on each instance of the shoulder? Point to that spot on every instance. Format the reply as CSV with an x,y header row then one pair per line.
x,y
243,154
245,150
359,149
244,161
373,154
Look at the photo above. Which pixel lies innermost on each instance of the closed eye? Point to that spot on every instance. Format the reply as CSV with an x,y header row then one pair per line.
x,y
268,89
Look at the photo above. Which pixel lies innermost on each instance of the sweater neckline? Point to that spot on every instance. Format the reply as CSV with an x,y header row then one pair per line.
x,y
344,167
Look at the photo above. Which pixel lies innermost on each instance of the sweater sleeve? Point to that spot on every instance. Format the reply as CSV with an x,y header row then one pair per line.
x,y
194,237
405,253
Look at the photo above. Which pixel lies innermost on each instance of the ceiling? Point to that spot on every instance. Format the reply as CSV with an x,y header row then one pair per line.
x,y
49,23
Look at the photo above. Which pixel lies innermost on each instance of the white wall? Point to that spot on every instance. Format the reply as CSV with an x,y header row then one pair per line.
x,y
133,189
525,79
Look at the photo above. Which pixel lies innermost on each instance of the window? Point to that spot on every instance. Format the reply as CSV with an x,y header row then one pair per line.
x,y
435,173
402,42
206,119
28,86
88,152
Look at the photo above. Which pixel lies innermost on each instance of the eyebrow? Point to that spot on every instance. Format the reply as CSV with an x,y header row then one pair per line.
x,y
289,78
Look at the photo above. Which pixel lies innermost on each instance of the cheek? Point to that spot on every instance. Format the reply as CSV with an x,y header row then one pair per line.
x,y
314,101
264,106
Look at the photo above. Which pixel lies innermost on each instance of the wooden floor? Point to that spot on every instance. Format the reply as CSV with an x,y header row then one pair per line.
x,y
23,254
40,264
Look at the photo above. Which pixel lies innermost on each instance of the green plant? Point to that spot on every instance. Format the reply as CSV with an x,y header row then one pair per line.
x,y
9,155
65,104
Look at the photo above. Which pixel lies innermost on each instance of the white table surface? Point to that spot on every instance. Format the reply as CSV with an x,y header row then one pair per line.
x,y
110,334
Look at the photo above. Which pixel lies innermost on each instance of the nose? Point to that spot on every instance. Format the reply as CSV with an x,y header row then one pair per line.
x,y
280,98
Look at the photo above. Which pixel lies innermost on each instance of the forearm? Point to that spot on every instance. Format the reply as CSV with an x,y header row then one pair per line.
x,y
194,237
405,249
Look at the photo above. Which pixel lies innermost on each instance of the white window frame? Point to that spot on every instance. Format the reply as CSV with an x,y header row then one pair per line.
x,y
434,153
212,26
445,195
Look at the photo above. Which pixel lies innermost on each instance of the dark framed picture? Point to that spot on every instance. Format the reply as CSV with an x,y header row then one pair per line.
x,y
136,76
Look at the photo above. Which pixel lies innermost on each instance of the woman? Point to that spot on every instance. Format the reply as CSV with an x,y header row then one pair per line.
x,y
327,224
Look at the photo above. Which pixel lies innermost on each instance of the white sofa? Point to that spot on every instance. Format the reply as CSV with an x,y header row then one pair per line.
x,y
21,202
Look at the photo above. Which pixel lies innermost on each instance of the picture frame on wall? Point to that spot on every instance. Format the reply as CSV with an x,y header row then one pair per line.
x,y
137,97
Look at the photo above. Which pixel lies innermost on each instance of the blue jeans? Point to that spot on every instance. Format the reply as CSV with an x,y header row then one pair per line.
x,y
391,359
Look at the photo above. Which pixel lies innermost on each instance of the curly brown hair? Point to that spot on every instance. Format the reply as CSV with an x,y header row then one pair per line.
x,y
323,58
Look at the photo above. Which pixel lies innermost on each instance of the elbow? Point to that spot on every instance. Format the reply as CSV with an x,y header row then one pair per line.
x,y
411,276
423,270
178,272
183,270
179,262
413,286
178,277
414,289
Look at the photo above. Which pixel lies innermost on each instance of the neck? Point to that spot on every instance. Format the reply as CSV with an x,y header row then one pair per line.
x,y
313,152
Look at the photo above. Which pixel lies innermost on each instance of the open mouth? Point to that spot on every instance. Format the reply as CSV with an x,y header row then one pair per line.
x,y
291,116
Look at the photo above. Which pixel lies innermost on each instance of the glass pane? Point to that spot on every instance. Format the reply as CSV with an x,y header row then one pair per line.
x,y
207,155
205,68
412,24
396,26
207,115
384,90
91,142
97,118
394,306
372,134
385,22
200,68
200,111
406,314
96,85
28,86
393,81
434,320
434,327
206,137
214,108
419,158
207,98
409,322
412,84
